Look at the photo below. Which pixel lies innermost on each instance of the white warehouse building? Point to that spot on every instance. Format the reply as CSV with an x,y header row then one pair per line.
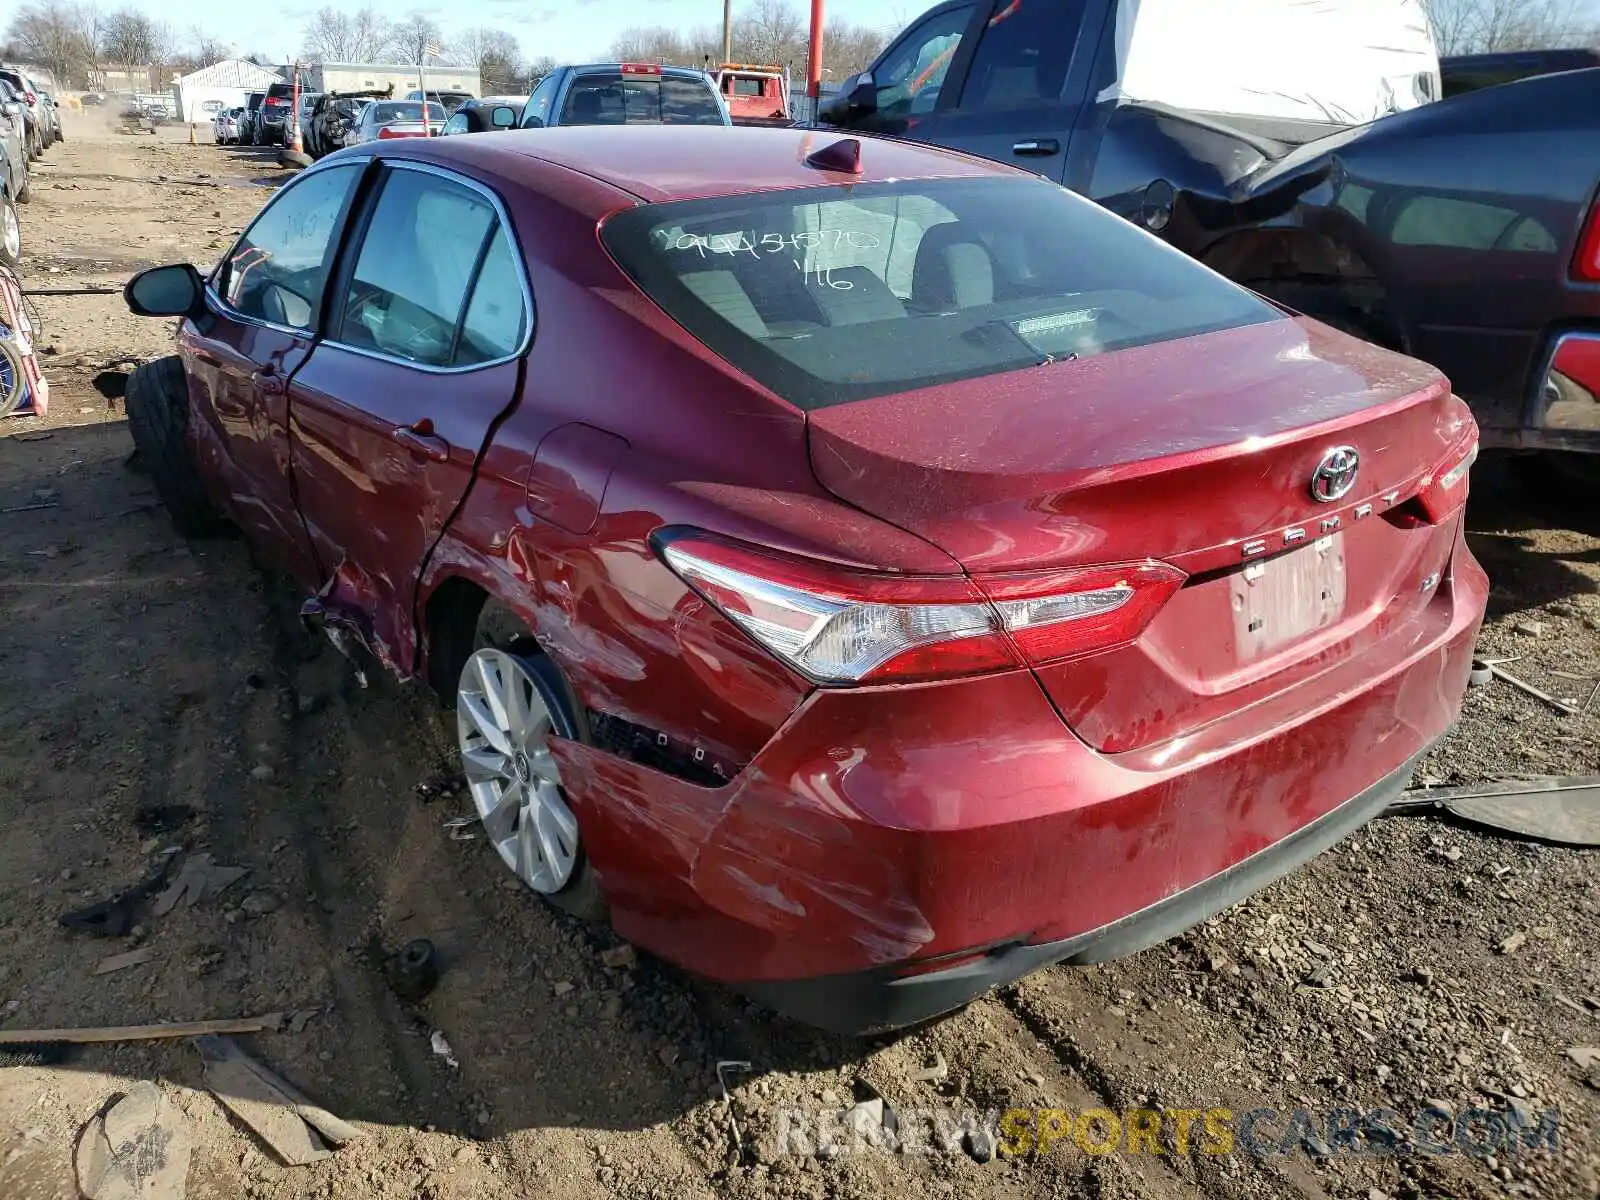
x,y
202,94
361,77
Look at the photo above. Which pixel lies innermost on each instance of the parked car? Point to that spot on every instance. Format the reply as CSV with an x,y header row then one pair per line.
x,y
250,118
482,118
93,99
333,116
1464,73
381,120
226,126
624,94
13,176
272,120
14,144
865,573
1386,226
49,118
33,119
452,101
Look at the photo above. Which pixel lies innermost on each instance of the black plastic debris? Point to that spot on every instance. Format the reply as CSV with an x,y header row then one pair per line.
x,y
155,819
413,972
113,917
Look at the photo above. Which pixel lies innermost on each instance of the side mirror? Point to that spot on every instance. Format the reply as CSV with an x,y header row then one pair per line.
x,y
863,94
533,122
11,108
175,291
503,116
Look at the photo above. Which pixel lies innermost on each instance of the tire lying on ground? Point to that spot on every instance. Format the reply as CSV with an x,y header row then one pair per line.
x,y
158,417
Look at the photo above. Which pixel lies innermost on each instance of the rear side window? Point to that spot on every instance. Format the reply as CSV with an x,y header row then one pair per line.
x,y
497,317
279,267
436,282
827,295
611,98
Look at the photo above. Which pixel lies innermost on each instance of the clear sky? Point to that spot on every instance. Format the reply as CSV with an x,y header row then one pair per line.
x,y
571,32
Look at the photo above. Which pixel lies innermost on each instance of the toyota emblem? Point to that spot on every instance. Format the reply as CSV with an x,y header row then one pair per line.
x,y
1335,474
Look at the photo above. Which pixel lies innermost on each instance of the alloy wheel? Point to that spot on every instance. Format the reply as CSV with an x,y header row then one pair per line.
x,y
504,728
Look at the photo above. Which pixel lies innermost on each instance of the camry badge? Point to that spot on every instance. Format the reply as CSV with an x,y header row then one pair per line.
x,y
1335,474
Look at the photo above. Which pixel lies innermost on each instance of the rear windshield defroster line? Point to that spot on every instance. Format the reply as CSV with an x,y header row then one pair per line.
x,y
832,294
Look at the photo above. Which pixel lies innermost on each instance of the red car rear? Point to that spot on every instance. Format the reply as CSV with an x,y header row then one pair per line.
x,y
863,572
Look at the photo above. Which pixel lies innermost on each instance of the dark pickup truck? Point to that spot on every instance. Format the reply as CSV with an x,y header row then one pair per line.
x,y
1460,231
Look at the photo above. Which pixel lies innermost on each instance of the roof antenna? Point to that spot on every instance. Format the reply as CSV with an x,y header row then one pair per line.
x,y
843,155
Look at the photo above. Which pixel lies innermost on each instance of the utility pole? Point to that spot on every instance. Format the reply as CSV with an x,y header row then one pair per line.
x,y
814,60
727,31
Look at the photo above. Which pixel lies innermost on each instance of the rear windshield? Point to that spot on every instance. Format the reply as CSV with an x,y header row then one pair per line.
x,y
404,112
827,295
611,98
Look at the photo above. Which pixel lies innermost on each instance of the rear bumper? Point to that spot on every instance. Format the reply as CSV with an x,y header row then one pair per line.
x,y
884,830
883,999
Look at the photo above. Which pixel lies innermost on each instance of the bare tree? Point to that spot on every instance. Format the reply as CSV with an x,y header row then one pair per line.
x,y
1491,26
336,35
536,70
128,39
50,33
769,31
494,52
206,49
408,38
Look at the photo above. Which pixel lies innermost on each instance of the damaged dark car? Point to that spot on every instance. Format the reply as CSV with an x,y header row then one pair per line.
x,y
1302,150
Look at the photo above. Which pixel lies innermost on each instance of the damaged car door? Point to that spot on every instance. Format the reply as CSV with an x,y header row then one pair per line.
x,y
266,298
428,319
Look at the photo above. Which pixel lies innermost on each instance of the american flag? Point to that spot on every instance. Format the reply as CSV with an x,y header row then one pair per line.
x,y
430,48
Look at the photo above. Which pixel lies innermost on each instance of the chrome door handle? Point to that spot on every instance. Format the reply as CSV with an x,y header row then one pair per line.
x,y
1039,147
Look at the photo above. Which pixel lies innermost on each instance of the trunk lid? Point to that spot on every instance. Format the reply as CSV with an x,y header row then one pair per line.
x,y
1199,452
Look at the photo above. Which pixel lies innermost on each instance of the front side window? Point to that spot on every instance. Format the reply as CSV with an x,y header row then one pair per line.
x,y
612,98
279,267
827,295
1023,55
913,73
415,267
456,124
538,110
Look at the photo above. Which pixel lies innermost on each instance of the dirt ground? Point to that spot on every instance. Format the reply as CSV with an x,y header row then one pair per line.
x,y
142,670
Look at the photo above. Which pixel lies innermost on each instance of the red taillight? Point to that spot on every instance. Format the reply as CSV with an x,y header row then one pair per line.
x,y
1445,491
1063,614
843,626
1586,262
386,133
641,68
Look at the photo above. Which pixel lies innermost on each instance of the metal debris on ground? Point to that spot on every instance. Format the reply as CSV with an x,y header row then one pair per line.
x,y
933,1070
301,1018
441,1048
132,958
113,917
723,1067
458,827
413,971
1564,810
298,1131
201,878
1523,685
136,1149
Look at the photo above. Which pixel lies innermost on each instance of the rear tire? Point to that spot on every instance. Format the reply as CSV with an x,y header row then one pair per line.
x,y
157,401
25,192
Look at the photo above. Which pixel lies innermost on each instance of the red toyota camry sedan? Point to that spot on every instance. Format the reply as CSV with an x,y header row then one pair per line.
x,y
862,573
